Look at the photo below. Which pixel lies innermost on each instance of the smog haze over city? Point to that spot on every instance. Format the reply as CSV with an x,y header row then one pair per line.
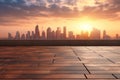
x,y
59,39
77,16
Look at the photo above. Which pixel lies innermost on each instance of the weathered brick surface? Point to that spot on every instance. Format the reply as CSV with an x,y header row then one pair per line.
x,y
60,63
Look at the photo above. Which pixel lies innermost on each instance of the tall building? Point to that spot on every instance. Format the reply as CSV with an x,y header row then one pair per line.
x,y
10,36
95,34
78,37
117,37
28,37
64,32
105,36
58,33
23,37
33,36
37,33
71,35
50,34
17,36
62,37
53,35
43,35
49,37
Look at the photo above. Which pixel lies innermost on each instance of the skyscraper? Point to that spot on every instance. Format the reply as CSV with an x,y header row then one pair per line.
x,y
105,36
37,33
58,33
33,36
117,37
17,36
71,35
28,37
53,35
78,37
49,37
43,35
95,34
10,36
64,32
50,34
23,37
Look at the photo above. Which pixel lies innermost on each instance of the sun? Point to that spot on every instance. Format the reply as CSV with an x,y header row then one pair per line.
x,y
86,27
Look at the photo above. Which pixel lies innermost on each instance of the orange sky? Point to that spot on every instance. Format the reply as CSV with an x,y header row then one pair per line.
x,y
101,14
112,27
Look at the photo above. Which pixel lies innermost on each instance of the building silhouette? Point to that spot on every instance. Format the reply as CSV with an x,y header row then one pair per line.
x,y
78,37
117,37
49,33
43,35
37,33
17,36
71,35
28,37
59,34
33,36
10,37
23,37
53,35
64,32
95,34
84,35
106,36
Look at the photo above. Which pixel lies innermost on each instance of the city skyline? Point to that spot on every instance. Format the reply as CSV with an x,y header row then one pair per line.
x,y
24,14
62,34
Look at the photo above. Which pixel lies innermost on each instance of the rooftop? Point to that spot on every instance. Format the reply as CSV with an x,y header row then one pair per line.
x,y
60,63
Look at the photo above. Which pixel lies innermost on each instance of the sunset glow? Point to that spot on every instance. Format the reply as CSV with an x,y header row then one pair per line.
x,y
86,27
77,15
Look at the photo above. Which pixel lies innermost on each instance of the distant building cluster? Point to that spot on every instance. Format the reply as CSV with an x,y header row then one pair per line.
x,y
59,34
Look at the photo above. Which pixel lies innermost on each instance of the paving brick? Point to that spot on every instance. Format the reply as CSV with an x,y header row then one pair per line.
x,y
45,76
60,63
117,76
94,76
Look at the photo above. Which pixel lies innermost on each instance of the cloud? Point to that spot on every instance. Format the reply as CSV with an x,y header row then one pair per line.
x,y
31,8
71,2
26,9
109,10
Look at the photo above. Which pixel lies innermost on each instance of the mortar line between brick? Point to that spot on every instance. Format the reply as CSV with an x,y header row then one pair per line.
x,y
114,76
110,60
74,51
53,61
86,68
85,76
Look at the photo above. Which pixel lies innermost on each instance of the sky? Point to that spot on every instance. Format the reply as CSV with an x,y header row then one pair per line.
x,y
24,15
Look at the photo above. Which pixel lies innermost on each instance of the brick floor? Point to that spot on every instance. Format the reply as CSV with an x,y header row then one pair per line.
x,y
60,63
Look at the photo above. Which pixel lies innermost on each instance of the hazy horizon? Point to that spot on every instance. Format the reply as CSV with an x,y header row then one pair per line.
x,y
76,15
